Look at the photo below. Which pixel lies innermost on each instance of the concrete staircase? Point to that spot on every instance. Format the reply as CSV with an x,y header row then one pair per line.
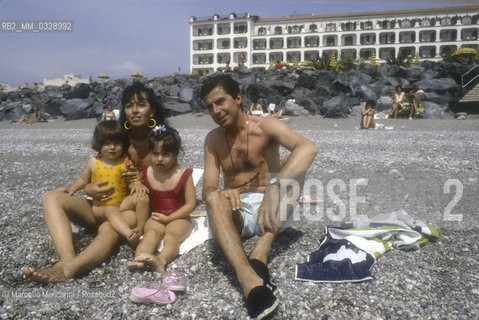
x,y
471,97
470,102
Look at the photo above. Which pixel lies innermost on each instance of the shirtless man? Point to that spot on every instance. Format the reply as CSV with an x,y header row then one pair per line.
x,y
247,151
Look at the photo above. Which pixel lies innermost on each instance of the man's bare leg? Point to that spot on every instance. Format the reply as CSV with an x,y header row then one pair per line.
x,y
229,240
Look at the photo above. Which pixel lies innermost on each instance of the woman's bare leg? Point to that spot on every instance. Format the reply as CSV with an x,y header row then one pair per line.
x,y
59,209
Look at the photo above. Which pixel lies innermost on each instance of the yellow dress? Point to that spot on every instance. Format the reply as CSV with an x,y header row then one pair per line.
x,y
114,177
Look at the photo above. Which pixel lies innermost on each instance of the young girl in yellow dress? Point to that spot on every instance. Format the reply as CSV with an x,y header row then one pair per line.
x,y
111,143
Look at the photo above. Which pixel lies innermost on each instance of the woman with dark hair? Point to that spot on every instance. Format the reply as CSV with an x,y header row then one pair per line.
x,y
140,111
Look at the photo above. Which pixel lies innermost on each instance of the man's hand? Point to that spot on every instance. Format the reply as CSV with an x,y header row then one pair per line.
x,y
234,196
268,213
98,193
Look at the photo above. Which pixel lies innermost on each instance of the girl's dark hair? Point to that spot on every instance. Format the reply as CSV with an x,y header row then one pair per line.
x,y
109,130
136,89
170,138
371,103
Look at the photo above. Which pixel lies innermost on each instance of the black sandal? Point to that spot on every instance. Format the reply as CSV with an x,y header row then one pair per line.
x,y
261,302
262,271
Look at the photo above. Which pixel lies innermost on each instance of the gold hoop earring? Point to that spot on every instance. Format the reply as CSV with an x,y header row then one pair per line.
x,y
127,125
151,126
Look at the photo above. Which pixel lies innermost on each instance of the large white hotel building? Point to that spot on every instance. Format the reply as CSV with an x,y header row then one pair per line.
x,y
217,40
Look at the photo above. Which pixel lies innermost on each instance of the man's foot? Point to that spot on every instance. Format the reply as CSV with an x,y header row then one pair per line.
x,y
262,271
47,275
261,302
152,261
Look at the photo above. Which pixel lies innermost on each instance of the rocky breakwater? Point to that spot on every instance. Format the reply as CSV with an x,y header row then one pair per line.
x,y
295,91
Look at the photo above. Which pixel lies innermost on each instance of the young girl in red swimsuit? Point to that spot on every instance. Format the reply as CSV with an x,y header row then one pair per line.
x,y
173,198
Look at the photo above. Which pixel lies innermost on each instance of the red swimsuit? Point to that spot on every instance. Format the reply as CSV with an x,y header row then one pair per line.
x,y
167,202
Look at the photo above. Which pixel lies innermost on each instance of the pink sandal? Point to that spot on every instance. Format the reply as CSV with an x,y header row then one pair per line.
x,y
174,281
152,292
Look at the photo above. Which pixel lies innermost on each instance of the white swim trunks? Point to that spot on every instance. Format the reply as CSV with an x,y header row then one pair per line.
x,y
251,202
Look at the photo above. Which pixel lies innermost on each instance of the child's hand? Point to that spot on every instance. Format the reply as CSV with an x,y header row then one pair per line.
x,y
138,190
160,217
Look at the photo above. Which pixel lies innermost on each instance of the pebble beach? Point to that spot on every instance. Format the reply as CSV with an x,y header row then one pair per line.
x,y
429,168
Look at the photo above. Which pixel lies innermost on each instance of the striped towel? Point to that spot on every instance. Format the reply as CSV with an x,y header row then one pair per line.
x,y
348,253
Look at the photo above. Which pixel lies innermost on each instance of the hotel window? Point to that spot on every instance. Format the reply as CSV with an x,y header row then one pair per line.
x,y
259,58
223,28
276,43
223,43
427,36
262,31
427,52
448,21
237,54
366,54
240,43
294,29
447,49
202,45
348,53
367,25
407,37
240,27
203,59
223,57
348,26
388,24
276,56
368,38
259,44
329,53
331,27
278,30
469,34
386,52
387,38
349,40
204,31
311,55
466,20
294,42
311,41
407,52
313,27
407,23
448,35
292,56
330,41
427,22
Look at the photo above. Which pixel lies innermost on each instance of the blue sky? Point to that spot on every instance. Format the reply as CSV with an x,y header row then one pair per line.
x,y
148,36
